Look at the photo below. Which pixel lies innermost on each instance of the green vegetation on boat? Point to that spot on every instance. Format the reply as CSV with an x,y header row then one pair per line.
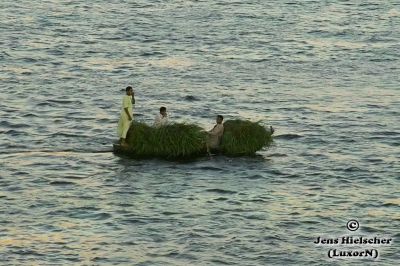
x,y
242,137
185,141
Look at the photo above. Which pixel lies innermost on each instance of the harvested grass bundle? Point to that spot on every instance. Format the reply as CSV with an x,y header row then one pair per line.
x,y
139,139
183,141
173,141
243,137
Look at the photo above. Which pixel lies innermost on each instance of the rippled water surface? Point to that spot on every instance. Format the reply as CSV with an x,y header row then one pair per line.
x,y
325,74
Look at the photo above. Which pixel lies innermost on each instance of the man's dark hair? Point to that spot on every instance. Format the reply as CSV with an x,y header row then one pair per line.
x,y
128,88
163,109
221,117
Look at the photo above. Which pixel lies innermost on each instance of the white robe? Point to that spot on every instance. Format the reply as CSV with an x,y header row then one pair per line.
x,y
160,120
124,123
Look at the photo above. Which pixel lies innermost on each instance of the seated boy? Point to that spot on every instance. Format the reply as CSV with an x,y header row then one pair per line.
x,y
162,118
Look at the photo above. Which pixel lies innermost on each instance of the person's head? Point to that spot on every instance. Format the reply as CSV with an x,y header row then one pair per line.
x,y
163,110
219,119
129,90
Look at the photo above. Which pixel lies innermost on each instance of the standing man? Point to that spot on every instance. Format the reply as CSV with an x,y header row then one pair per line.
x,y
126,115
215,135
162,118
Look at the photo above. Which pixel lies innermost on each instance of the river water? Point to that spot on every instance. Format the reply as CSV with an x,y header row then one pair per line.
x,y
325,74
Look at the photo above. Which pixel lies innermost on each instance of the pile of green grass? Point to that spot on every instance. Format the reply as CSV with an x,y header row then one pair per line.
x,y
173,141
185,141
243,137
